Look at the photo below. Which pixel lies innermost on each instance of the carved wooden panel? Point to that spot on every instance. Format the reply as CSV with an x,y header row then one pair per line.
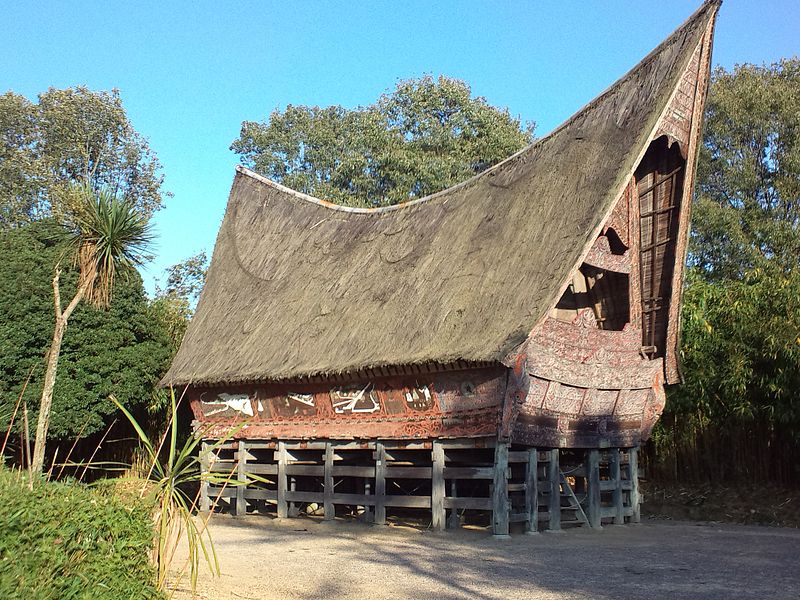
x,y
601,256
449,404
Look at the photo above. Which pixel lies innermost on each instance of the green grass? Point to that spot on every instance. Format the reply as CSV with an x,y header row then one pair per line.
x,y
68,540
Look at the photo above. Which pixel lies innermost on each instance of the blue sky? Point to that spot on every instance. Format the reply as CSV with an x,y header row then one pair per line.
x,y
190,72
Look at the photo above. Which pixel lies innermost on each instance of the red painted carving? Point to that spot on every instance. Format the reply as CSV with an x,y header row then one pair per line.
x,y
452,404
600,256
620,220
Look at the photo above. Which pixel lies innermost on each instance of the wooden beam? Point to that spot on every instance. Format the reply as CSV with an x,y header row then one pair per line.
x,y
532,492
205,502
554,500
500,491
633,473
283,509
240,508
294,508
408,473
437,487
468,503
454,520
469,473
616,479
380,483
328,507
408,501
593,488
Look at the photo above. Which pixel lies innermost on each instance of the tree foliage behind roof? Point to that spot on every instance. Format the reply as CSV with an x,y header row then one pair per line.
x,y
747,214
425,136
69,135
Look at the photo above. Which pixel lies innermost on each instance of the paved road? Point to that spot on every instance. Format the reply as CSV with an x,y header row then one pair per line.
x,y
262,558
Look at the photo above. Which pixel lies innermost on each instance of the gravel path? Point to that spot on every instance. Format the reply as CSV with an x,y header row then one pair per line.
x,y
262,558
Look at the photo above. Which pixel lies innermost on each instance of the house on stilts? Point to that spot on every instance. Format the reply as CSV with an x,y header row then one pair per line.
x,y
497,350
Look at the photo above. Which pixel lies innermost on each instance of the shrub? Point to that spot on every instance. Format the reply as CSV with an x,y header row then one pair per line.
x,y
68,540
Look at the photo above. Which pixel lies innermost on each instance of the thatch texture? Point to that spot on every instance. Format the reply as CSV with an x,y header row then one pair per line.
x,y
299,287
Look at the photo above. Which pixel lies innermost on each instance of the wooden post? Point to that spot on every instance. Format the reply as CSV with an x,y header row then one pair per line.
x,y
532,492
294,508
500,491
454,520
283,509
437,487
205,502
327,495
380,484
593,488
616,477
241,480
367,490
554,504
633,470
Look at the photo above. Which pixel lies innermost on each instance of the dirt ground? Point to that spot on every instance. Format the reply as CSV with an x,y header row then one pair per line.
x,y
264,558
746,504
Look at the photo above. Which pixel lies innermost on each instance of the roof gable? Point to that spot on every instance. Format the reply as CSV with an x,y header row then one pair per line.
x,y
299,287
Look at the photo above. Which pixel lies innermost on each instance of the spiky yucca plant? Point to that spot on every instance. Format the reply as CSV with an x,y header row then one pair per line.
x,y
173,468
107,235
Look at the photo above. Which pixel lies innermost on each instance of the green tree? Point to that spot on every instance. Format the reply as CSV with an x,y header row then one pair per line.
x,y
70,135
121,350
106,236
738,414
174,304
425,136
747,212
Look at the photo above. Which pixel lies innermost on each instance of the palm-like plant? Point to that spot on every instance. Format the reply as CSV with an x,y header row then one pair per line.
x,y
174,467
107,236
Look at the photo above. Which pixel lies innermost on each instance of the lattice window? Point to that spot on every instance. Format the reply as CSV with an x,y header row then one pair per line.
x,y
659,180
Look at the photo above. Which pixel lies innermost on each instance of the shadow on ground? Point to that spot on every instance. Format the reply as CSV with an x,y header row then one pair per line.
x,y
263,558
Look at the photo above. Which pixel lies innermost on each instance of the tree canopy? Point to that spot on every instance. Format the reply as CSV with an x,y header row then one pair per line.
x,y
122,350
70,135
425,136
738,413
747,213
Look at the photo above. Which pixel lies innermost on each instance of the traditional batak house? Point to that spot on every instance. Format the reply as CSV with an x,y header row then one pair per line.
x,y
498,348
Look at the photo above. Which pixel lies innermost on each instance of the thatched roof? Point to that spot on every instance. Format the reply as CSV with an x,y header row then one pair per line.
x,y
298,286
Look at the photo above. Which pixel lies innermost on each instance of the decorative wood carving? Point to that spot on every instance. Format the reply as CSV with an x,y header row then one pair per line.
x,y
455,404
600,256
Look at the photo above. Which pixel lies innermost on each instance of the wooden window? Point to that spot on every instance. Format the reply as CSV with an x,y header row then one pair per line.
x,y
659,181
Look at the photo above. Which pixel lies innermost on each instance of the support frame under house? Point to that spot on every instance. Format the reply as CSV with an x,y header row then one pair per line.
x,y
495,351
526,486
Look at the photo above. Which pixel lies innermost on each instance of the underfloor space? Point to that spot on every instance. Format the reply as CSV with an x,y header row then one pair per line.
x,y
265,558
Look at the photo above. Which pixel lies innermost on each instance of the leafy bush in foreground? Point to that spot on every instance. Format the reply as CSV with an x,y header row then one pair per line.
x,y
66,540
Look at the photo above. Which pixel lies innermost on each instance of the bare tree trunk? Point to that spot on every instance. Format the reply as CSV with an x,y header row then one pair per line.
x,y
46,403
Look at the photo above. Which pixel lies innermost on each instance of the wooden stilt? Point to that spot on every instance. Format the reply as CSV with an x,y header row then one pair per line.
x,y
367,491
294,507
532,491
593,489
500,491
616,477
328,507
554,504
283,509
205,502
240,509
454,519
380,483
633,467
437,487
